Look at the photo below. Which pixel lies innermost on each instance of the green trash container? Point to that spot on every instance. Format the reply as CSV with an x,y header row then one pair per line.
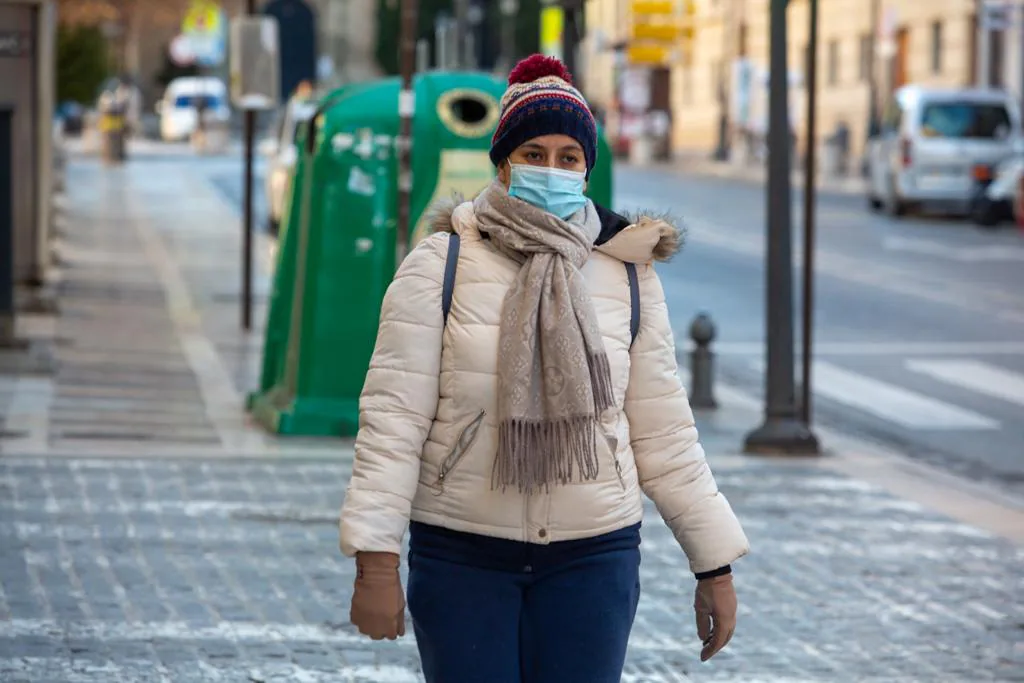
x,y
336,253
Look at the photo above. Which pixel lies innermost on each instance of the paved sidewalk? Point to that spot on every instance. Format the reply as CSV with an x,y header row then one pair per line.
x,y
150,353
206,551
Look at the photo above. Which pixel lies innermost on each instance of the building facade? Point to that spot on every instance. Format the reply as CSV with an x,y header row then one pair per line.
x,y
862,44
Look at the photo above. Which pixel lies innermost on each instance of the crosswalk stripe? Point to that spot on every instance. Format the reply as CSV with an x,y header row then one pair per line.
x,y
974,376
891,403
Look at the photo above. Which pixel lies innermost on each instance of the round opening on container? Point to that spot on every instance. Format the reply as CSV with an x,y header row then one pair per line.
x,y
469,110
468,113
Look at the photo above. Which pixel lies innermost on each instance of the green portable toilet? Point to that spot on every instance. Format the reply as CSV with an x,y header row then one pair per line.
x,y
336,253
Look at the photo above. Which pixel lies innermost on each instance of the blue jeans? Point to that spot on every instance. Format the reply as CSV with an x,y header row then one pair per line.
x,y
487,610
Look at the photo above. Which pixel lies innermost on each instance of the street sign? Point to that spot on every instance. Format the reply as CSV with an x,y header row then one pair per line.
x,y
255,62
662,32
652,55
203,29
657,31
652,7
15,43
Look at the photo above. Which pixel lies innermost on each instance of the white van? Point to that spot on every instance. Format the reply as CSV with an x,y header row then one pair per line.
x,y
177,108
932,140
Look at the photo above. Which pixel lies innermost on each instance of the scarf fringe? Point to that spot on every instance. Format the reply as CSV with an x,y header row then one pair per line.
x,y
601,382
564,447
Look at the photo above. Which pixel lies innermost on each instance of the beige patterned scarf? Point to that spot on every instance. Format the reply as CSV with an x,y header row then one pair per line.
x,y
553,375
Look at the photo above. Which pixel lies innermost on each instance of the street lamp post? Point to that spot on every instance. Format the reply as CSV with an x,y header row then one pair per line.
x,y
782,430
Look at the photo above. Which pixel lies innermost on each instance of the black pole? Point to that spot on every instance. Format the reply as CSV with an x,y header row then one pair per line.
x,y
249,133
781,431
809,197
6,229
873,69
509,9
571,36
406,111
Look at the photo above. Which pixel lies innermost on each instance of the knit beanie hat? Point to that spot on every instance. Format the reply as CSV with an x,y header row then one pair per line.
x,y
541,100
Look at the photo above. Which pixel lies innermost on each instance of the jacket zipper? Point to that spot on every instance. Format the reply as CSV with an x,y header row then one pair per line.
x,y
462,445
618,471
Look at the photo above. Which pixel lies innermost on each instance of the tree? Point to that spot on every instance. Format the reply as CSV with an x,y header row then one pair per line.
x,y
123,19
82,62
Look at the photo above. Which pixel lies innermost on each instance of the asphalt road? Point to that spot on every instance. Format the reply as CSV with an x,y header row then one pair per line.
x,y
919,330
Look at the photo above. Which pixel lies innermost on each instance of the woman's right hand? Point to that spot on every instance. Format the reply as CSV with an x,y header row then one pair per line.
x,y
378,602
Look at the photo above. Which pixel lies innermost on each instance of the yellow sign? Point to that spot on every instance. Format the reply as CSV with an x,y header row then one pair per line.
x,y
202,17
654,55
552,21
665,33
653,7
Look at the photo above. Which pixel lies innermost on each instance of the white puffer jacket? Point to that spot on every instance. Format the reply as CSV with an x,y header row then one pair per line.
x,y
428,429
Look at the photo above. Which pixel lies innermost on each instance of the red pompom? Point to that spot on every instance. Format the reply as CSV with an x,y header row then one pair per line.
x,y
538,66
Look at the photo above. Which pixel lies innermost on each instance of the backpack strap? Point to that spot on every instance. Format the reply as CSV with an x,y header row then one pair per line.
x,y
634,302
450,266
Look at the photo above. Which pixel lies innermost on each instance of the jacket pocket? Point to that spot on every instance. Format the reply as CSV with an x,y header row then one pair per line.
x,y
612,442
458,451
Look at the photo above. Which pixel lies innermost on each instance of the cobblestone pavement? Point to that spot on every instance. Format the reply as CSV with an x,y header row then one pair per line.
x,y
190,571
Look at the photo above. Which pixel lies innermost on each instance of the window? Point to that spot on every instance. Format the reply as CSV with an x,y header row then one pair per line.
x,y
936,47
965,120
192,101
866,61
833,62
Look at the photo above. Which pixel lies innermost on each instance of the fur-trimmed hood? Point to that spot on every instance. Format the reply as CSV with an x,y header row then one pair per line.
x,y
638,238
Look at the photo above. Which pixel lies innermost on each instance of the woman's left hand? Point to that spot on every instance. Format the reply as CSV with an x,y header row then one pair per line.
x,y
715,605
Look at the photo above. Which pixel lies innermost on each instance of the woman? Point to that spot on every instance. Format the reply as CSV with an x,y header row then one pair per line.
x,y
517,434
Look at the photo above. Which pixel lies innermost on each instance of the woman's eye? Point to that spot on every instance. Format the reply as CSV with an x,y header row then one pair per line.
x,y
533,156
570,160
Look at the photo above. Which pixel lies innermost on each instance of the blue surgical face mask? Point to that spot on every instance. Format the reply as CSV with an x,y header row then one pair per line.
x,y
556,191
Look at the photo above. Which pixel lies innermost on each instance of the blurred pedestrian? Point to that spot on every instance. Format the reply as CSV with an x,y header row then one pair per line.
x,y
518,435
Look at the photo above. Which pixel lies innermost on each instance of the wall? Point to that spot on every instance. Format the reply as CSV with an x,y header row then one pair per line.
x,y
846,22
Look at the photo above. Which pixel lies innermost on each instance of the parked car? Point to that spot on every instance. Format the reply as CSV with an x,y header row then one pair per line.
x,y
184,98
996,191
281,152
932,141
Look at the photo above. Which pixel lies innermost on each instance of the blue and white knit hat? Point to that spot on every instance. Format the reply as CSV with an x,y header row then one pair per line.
x,y
541,100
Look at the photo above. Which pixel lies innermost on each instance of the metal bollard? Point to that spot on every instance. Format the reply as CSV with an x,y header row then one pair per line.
x,y
702,363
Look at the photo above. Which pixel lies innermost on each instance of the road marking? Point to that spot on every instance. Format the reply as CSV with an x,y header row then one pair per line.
x,y
963,254
974,376
869,348
891,403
